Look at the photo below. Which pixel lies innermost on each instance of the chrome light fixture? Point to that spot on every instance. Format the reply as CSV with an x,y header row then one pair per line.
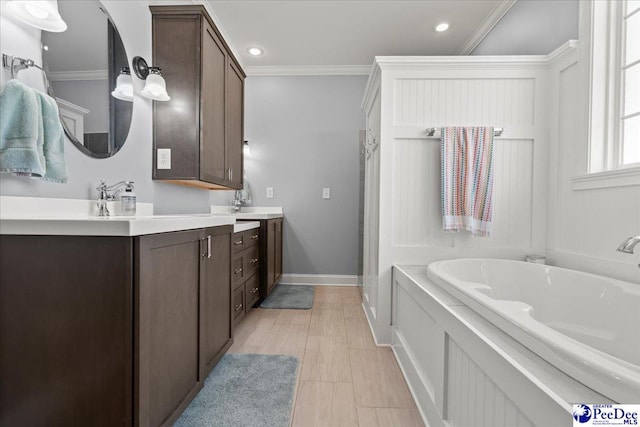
x,y
124,86
42,14
155,87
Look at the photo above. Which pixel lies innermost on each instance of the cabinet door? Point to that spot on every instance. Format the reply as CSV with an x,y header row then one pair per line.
x,y
65,331
217,298
235,108
213,152
271,254
278,252
167,365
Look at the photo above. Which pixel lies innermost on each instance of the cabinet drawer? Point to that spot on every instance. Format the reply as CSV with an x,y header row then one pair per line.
x,y
250,261
238,305
251,237
238,242
237,269
252,291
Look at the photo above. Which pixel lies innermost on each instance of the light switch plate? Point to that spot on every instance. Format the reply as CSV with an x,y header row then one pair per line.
x,y
269,192
326,193
163,158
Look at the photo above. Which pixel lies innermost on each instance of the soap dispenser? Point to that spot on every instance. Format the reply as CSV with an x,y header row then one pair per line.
x,y
128,200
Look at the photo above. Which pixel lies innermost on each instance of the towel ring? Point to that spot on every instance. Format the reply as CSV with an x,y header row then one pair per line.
x,y
16,64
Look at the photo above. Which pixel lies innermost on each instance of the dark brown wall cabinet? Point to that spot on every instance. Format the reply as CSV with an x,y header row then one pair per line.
x,y
271,247
202,124
107,331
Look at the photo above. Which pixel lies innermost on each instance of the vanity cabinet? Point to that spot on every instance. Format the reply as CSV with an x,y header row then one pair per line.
x,y
104,331
202,124
245,272
272,249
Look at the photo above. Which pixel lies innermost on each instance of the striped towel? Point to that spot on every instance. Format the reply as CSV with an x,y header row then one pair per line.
x,y
467,179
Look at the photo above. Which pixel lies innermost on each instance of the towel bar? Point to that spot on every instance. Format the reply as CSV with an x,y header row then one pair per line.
x,y
496,131
16,64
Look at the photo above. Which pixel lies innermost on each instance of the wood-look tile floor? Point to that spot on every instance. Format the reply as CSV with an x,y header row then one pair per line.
x,y
344,379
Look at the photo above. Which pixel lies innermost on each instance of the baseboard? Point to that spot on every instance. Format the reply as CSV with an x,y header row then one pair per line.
x,y
319,279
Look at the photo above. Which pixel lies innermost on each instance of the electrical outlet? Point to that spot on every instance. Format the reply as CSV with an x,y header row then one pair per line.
x,y
269,192
326,193
164,158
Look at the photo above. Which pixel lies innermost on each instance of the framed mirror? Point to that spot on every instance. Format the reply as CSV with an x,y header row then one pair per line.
x,y
84,63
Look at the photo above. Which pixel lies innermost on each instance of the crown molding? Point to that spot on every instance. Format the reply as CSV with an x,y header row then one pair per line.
x,y
309,70
487,25
60,76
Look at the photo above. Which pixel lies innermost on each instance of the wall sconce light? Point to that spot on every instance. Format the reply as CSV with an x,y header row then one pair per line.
x,y
42,14
124,86
155,87
246,150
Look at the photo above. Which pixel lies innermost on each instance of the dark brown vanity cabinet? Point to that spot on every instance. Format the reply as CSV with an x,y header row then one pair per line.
x,y
272,248
202,124
106,331
245,267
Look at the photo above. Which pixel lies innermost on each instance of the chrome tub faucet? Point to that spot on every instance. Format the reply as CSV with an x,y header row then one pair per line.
x,y
628,245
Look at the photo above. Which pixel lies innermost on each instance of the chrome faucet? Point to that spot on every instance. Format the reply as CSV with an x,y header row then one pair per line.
x,y
236,203
628,245
107,193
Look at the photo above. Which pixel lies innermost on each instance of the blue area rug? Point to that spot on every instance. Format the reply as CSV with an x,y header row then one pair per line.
x,y
298,297
245,390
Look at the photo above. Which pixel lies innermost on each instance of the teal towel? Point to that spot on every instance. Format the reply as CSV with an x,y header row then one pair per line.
x,y
53,137
19,130
31,135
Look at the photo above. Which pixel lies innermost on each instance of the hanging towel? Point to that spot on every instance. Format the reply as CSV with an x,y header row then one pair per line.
x,y
53,140
19,131
31,135
467,179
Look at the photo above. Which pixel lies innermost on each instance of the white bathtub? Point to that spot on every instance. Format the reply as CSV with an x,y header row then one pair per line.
x,y
588,326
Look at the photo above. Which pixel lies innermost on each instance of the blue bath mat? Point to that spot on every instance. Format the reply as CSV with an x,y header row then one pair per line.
x,y
298,297
245,390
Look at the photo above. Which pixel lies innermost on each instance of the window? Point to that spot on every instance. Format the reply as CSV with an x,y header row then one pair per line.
x,y
629,145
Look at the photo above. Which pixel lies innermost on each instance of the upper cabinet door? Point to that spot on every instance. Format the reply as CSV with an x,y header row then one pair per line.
x,y
213,152
235,108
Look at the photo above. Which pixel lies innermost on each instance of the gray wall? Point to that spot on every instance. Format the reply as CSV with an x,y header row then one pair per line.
x,y
303,133
532,27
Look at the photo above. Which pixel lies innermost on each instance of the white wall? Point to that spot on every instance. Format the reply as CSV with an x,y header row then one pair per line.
x,y
422,92
303,133
133,161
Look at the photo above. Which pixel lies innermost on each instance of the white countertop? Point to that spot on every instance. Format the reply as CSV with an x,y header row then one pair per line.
x,y
110,226
250,213
245,225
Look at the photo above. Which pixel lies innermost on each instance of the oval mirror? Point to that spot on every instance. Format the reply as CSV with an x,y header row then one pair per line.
x,y
84,63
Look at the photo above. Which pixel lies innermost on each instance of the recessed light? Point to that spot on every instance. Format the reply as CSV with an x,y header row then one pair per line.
x,y
255,51
442,27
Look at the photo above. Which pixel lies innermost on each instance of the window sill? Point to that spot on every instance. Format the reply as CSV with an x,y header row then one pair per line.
x,y
623,177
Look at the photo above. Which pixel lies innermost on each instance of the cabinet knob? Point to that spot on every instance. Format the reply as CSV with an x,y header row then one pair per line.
x,y
237,271
239,242
253,260
254,291
237,307
255,236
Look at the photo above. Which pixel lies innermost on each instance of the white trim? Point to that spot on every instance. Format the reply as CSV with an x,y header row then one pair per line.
x,y
319,279
61,76
71,106
622,177
487,25
34,207
309,70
